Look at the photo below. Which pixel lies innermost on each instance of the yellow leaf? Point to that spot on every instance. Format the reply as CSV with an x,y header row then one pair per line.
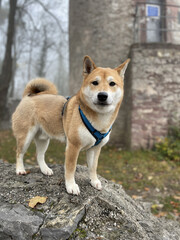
x,y
113,180
34,201
154,206
150,177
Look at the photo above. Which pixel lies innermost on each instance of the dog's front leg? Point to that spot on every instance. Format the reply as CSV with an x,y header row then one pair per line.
x,y
72,153
92,161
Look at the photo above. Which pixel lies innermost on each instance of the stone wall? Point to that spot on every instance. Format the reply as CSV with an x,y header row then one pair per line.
x,y
155,77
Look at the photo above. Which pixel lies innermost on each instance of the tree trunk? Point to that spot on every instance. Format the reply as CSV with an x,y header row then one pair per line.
x,y
7,66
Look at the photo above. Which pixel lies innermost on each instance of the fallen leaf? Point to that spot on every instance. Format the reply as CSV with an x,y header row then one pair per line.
x,y
138,177
113,180
51,160
136,197
146,189
34,201
174,204
157,206
161,214
176,197
176,213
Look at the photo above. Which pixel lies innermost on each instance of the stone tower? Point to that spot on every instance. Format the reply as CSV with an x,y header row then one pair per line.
x,y
104,31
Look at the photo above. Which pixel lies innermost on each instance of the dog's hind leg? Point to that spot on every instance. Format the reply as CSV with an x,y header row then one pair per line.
x,y
23,142
41,147
92,156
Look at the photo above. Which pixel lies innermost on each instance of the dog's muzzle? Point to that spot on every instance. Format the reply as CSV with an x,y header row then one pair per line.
x,y
102,98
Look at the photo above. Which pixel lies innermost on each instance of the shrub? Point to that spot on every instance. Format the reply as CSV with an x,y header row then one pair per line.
x,y
169,147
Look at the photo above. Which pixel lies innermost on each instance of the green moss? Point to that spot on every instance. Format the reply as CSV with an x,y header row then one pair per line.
x,y
81,233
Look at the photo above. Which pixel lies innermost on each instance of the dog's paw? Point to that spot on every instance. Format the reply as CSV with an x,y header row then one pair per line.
x,y
72,189
47,171
96,184
21,172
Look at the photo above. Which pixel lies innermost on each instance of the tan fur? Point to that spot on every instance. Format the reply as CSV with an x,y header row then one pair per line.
x,y
45,86
38,117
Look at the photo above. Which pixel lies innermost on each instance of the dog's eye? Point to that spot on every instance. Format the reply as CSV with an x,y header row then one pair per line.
x,y
112,84
95,83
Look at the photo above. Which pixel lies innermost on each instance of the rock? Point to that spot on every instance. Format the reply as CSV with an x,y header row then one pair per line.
x,y
18,222
106,214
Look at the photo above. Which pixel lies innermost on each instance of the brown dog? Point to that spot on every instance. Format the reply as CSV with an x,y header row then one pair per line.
x,y
85,123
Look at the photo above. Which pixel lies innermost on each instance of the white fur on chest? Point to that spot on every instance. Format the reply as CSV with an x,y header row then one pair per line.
x,y
103,123
87,139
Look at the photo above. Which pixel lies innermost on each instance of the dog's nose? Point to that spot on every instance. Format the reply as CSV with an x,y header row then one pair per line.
x,y
102,96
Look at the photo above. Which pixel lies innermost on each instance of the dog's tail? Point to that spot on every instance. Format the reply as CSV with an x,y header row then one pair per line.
x,y
39,86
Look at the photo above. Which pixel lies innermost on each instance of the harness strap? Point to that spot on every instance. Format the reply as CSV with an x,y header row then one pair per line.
x,y
64,107
96,134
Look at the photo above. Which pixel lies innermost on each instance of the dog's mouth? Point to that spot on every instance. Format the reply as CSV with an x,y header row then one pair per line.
x,y
103,104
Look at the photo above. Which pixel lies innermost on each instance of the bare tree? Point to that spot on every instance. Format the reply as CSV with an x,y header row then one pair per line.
x,y
36,48
7,66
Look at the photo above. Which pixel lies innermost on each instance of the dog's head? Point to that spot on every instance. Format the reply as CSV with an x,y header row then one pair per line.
x,y
102,88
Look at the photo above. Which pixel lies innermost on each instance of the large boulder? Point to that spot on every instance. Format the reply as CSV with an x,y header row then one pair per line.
x,y
107,214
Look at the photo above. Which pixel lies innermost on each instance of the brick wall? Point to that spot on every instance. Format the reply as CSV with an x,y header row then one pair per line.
x,y
155,77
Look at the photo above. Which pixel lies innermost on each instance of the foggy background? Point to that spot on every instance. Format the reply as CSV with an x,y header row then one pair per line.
x,y
40,45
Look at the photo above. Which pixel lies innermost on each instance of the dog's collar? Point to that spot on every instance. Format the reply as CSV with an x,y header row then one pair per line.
x,y
96,134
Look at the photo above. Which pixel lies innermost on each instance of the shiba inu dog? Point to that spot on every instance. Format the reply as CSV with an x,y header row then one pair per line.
x,y
84,121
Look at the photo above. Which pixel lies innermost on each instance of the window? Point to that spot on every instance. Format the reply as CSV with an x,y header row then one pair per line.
x,y
152,11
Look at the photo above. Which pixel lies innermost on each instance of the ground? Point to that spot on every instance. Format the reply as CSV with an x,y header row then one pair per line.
x,y
143,174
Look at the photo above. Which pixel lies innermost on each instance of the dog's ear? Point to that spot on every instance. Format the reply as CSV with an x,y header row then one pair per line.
x,y
122,68
88,65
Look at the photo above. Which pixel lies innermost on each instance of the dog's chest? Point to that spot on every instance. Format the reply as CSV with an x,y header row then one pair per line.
x,y
87,139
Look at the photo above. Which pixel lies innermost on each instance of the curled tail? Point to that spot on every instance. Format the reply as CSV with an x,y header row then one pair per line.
x,y
39,86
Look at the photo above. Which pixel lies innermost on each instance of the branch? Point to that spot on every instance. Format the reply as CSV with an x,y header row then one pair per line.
x,y
51,14
30,17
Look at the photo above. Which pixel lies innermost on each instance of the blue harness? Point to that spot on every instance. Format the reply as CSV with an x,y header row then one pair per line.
x,y
95,133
